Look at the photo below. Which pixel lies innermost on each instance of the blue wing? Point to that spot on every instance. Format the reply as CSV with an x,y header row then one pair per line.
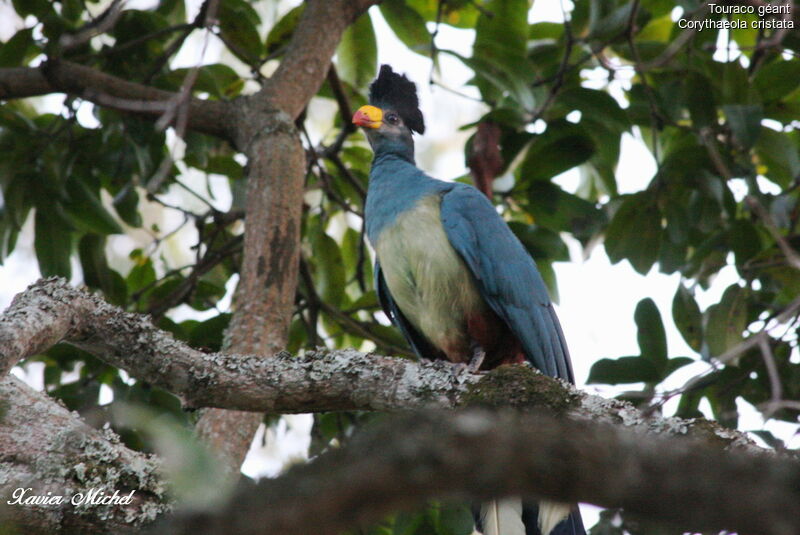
x,y
507,277
418,343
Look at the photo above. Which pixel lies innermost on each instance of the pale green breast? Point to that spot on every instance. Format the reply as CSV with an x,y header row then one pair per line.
x,y
428,280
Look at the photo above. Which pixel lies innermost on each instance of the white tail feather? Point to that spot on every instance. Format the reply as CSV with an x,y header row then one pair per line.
x,y
502,517
551,513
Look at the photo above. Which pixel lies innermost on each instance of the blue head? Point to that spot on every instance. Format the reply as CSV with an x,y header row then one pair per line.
x,y
392,116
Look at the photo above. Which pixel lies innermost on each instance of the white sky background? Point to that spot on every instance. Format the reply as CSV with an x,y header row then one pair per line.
x,y
597,299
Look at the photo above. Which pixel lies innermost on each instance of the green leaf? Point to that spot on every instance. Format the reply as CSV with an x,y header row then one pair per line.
x,y
407,25
142,274
407,523
208,334
549,277
206,295
671,256
651,336
658,29
173,10
329,275
779,153
555,209
623,370
614,24
282,30
560,148
37,8
357,55
457,13
541,243
496,81
218,80
97,273
545,30
501,40
501,33
126,203
17,50
78,396
456,520
745,122
238,24
635,232
677,221
687,318
596,104
677,363
225,165
726,321
777,79
52,243
72,10
733,79
744,240
86,211
699,98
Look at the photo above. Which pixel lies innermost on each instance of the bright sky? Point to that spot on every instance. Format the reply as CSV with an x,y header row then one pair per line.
x,y
597,299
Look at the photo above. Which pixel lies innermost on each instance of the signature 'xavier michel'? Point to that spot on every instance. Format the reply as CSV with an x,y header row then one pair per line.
x,y
454,278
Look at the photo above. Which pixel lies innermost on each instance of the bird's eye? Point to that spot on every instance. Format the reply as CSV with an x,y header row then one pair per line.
x,y
392,118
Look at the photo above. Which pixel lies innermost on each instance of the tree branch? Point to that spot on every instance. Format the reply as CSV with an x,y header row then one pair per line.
x,y
477,455
61,76
62,455
276,169
50,311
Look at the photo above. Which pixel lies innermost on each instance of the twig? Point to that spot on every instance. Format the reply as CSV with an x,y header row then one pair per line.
x,y
178,112
99,25
562,69
345,111
707,136
772,371
434,34
792,257
656,116
780,34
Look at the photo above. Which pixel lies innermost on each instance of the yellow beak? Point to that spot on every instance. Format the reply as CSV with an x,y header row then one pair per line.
x,y
368,117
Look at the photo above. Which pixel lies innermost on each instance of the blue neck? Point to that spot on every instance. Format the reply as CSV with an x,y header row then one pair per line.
x,y
395,185
398,147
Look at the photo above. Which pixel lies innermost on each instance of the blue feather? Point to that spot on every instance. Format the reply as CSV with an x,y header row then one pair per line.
x,y
507,277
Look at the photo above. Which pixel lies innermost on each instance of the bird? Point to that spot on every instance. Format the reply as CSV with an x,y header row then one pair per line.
x,y
454,279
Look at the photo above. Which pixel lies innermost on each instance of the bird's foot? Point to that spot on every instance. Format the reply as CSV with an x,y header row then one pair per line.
x,y
477,359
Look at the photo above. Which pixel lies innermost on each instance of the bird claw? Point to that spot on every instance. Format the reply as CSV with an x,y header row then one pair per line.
x,y
477,359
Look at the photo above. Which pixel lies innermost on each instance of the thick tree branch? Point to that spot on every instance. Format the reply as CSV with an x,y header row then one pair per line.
x,y
477,455
60,76
268,275
64,456
51,311
276,169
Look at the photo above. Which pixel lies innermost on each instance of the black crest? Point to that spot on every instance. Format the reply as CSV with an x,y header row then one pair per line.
x,y
395,91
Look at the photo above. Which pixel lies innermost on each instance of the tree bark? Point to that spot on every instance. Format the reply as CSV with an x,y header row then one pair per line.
x,y
703,477
276,170
62,455
51,311
478,455
60,76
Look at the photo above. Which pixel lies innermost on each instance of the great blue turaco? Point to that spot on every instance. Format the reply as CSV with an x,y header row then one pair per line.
x,y
455,280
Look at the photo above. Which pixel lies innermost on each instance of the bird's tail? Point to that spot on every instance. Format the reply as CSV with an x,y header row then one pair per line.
x,y
505,517
551,513
502,517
